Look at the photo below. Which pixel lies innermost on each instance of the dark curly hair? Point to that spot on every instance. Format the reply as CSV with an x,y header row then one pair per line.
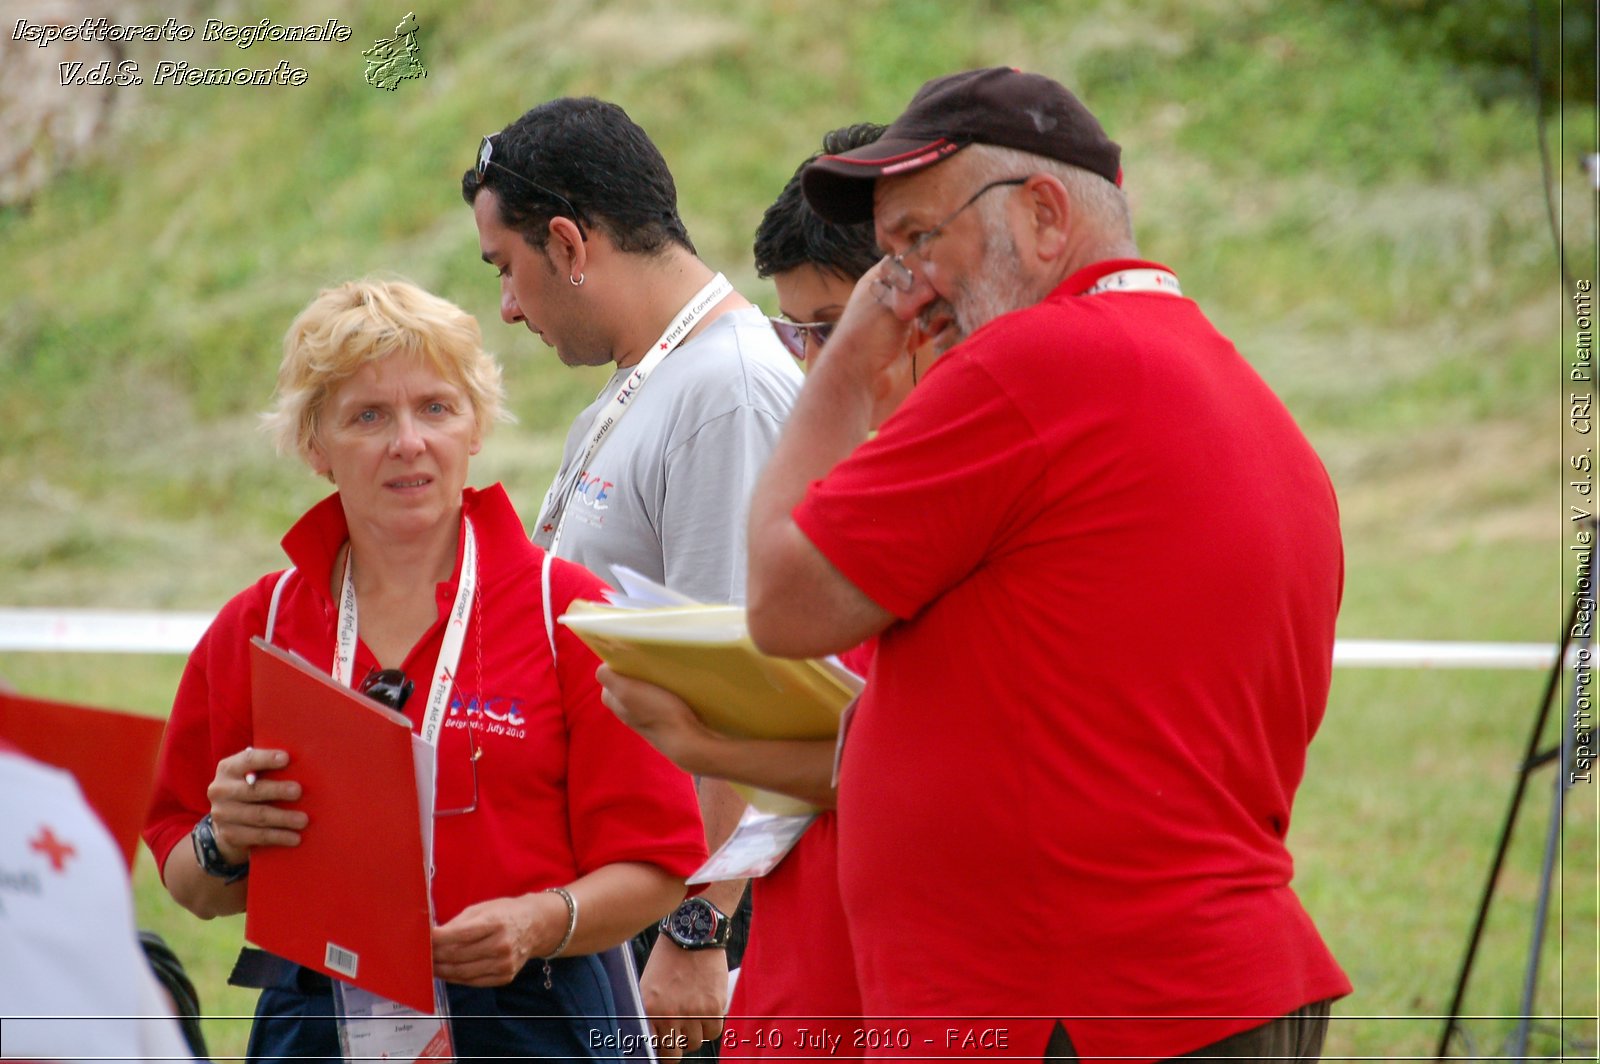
x,y
792,235
583,156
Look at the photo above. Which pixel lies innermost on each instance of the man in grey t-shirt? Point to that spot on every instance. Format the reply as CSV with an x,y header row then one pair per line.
x,y
577,211
666,492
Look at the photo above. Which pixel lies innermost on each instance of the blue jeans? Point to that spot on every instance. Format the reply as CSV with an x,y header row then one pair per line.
x,y
574,1020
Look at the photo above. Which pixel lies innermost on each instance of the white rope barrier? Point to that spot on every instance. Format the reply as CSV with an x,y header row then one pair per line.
x,y
1417,654
101,631
149,632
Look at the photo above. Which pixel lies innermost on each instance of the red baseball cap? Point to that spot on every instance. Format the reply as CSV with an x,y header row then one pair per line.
x,y
997,105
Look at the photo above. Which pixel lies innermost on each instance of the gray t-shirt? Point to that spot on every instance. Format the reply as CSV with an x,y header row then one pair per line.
x,y
669,490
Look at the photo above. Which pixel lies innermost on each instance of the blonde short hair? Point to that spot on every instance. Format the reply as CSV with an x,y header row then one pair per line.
x,y
358,322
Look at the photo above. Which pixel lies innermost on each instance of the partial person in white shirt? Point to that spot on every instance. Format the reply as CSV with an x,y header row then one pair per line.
x,y
74,982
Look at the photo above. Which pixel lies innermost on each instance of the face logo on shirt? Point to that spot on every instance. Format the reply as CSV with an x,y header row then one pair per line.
x,y
591,498
488,716
57,852
592,491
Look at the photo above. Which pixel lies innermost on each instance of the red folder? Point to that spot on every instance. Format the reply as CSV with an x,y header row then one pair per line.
x,y
113,756
350,901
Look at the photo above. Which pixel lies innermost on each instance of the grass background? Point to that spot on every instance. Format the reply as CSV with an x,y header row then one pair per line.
x,y
1357,203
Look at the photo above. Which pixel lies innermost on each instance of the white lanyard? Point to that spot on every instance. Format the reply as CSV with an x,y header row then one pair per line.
x,y
455,633
1139,280
553,514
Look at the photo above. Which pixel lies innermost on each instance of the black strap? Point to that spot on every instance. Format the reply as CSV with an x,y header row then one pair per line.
x,y
256,969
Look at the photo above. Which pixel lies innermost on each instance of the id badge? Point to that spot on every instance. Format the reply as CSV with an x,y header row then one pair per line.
x,y
756,847
374,1028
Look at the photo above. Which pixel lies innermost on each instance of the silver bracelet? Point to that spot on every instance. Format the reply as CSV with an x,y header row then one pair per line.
x,y
572,920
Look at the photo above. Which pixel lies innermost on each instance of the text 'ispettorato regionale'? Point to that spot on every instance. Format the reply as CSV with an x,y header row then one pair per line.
x,y
177,72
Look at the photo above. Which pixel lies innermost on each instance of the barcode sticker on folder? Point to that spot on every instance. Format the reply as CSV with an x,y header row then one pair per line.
x,y
341,960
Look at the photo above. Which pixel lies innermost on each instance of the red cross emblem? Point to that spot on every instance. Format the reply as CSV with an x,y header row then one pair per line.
x,y
53,848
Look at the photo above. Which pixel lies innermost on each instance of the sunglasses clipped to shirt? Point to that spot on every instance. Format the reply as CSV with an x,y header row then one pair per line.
x,y
793,334
391,687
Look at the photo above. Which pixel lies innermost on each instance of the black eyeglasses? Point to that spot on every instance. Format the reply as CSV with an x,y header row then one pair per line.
x,y
486,160
391,687
793,334
898,275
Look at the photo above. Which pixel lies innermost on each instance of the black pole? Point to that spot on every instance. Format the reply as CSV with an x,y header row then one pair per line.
x,y
1562,752
1530,761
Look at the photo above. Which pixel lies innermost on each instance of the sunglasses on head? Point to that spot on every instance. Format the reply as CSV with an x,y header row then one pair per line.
x,y
486,160
793,334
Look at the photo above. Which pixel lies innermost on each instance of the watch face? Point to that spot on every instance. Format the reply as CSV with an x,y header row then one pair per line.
x,y
693,922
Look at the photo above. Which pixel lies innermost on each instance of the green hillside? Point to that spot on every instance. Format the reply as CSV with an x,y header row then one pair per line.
x,y
1351,188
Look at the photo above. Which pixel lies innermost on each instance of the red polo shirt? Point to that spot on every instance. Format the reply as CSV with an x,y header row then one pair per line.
x,y
1116,565
563,786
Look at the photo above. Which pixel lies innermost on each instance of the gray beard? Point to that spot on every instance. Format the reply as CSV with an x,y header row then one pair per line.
x,y
998,287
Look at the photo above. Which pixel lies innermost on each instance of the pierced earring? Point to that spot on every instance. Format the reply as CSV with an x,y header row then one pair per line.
x,y
576,281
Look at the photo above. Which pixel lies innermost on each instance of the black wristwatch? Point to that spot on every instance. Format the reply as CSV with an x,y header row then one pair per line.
x,y
204,837
697,924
